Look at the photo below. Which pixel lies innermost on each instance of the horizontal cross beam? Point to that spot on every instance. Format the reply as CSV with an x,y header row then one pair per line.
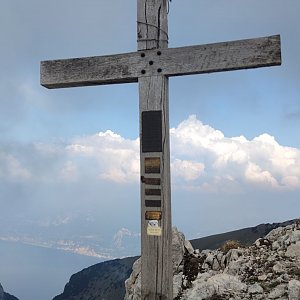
x,y
128,67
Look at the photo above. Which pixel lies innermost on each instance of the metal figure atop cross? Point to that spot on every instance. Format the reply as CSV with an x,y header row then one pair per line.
x,y
151,66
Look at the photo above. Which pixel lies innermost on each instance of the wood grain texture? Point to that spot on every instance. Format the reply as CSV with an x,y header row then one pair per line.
x,y
128,67
156,250
152,24
156,258
89,71
226,56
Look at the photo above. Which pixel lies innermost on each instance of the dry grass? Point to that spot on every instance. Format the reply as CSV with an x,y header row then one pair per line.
x,y
230,244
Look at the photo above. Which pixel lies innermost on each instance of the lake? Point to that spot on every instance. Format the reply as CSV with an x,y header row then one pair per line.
x,y
37,273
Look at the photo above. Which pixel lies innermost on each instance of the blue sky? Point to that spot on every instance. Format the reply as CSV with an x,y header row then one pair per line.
x,y
71,155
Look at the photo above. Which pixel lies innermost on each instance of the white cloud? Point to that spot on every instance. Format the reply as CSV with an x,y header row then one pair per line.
x,y
201,158
194,134
261,161
291,181
12,169
255,174
188,170
116,158
69,171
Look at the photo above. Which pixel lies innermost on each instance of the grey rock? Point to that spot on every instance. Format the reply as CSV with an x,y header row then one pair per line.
x,y
275,245
275,234
188,247
217,284
234,254
278,268
224,282
177,284
213,260
133,283
294,290
263,277
277,292
295,236
178,248
201,291
234,267
255,289
293,250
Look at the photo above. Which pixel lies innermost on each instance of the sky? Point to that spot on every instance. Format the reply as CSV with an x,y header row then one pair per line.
x,y
69,158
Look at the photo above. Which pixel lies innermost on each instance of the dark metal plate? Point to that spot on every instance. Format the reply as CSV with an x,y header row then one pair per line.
x,y
152,192
153,203
152,131
150,181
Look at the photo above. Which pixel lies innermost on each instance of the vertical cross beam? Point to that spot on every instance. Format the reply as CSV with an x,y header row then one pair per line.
x,y
156,225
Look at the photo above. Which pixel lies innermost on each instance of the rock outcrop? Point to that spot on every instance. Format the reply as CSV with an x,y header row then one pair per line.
x,y
268,269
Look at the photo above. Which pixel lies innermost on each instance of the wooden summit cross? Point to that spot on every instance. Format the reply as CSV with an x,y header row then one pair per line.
x,y
151,66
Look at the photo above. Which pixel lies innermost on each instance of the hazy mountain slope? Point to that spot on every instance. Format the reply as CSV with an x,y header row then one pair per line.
x,y
9,297
6,296
101,281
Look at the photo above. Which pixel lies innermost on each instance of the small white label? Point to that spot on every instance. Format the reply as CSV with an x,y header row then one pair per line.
x,y
153,228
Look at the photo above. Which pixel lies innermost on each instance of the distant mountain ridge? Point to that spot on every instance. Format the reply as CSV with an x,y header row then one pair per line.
x,y
245,236
106,280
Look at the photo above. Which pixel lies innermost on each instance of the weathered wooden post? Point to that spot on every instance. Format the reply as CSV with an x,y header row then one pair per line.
x,y
156,258
151,66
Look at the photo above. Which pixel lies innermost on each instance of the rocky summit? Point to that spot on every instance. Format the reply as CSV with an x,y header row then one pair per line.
x,y
268,269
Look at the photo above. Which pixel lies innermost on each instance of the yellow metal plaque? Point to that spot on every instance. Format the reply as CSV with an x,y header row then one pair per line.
x,y
153,215
152,165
